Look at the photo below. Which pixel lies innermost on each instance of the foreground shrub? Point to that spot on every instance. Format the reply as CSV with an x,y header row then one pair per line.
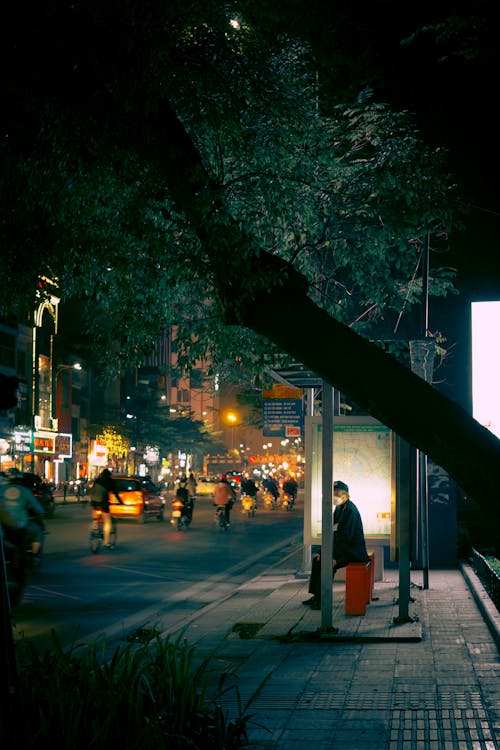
x,y
152,696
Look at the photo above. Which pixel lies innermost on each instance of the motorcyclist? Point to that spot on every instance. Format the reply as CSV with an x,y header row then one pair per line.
x,y
22,525
191,484
224,495
271,486
248,487
290,487
182,494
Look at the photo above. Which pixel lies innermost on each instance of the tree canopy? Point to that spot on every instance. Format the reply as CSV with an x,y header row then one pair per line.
x,y
346,197
166,165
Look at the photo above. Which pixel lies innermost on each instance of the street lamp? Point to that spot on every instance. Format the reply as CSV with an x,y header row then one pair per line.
x,y
232,419
59,369
55,407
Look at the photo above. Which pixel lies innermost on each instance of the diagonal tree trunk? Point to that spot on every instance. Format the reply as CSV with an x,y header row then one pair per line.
x,y
277,306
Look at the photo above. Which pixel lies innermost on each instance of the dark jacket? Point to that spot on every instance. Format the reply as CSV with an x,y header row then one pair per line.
x,y
99,492
290,486
248,487
348,537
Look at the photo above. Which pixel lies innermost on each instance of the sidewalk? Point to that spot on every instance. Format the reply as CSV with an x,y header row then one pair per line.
x,y
431,683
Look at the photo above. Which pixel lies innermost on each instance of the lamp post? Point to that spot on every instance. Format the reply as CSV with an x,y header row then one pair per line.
x,y
55,411
231,418
59,369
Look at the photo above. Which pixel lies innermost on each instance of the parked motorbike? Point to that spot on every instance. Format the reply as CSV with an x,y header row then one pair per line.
x,y
182,511
248,505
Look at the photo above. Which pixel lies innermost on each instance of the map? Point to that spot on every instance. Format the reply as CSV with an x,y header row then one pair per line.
x,y
361,459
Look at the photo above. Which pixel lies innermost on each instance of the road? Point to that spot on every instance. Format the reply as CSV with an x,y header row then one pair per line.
x,y
156,578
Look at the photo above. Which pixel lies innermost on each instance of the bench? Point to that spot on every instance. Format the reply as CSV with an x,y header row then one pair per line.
x,y
359,580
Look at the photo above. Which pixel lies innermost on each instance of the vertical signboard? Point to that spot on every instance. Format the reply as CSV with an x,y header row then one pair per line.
x,y
283,414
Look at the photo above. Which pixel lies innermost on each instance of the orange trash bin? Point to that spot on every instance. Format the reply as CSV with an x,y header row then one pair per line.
x,y
357,588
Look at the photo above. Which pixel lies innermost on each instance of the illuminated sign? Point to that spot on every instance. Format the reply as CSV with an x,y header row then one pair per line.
x,y
485,324
361,459
98,453
22,441
44,443
64,445
283,414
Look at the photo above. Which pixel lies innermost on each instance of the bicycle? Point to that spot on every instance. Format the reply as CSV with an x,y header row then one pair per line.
x,y
96,532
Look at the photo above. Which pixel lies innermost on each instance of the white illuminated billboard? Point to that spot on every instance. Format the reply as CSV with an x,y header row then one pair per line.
x,y
485,332
362,459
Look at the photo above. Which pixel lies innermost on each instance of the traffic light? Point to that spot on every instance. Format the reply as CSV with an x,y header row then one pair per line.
x,y
8,391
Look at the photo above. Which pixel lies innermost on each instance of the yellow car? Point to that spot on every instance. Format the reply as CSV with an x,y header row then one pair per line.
x,y
206,485
139,499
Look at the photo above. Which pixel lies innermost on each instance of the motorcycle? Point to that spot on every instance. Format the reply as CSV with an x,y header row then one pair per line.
x,y
182,513
270,501
15,561
34,548
288,501
22,555
220,518
248,505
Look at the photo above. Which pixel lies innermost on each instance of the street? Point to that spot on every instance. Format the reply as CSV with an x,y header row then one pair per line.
x,y
155,577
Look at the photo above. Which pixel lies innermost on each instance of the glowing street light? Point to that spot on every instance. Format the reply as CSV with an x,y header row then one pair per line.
x,y
231,418
61,368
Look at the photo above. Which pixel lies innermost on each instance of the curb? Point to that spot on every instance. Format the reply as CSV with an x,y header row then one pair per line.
x,y
487,608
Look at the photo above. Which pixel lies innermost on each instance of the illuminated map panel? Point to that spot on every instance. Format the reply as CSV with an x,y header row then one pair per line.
x,y
361,459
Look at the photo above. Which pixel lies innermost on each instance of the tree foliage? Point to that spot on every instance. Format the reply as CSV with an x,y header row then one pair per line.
x,y
122,148
347,198
149,425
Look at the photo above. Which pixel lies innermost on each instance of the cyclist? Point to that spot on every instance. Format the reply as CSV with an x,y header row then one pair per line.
x,y
99,499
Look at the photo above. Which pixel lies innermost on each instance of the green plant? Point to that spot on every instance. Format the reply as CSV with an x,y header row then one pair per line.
x,y
144,697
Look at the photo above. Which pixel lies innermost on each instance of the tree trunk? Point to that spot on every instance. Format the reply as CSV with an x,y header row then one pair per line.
x,y
276,304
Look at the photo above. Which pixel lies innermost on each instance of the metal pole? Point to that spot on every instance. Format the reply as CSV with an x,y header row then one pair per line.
x,y
424,515
423,493
306,549
326,508
403,499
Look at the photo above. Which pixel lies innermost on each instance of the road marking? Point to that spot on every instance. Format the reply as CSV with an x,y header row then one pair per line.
x,y
51,591
143,617
137,572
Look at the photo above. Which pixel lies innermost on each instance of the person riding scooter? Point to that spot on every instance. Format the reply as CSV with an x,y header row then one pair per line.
x,y
290,487
182,494
21,529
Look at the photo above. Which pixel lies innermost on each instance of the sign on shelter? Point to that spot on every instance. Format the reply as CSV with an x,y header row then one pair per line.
x,y
283,413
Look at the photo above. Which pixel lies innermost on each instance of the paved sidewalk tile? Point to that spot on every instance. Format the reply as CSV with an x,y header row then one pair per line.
x,y
430,683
